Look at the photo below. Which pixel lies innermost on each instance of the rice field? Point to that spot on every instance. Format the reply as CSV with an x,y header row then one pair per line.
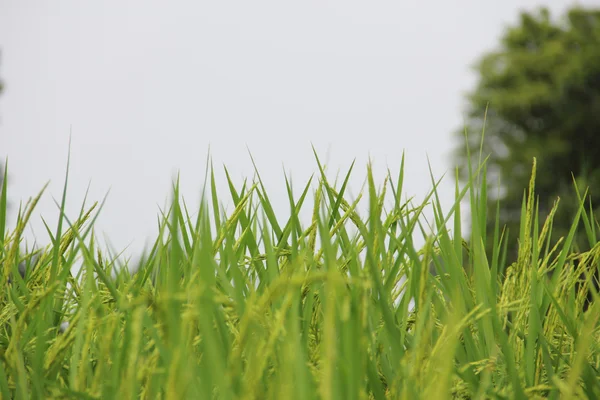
x,y
246,304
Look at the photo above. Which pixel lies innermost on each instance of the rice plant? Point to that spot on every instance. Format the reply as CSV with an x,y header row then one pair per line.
x,y
248,305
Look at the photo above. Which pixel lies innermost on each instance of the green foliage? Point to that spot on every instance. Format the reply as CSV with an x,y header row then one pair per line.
x,y
1,175
248,305
541,91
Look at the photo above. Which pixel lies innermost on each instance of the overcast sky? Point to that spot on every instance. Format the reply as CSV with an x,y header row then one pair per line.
x,y
145,87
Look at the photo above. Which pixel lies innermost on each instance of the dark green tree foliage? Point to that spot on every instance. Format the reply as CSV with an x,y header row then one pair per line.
x,y
541,89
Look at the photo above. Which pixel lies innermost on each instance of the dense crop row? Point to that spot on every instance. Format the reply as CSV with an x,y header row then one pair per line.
x,y
343,306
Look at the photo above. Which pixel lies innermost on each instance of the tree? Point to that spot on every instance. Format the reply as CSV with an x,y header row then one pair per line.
x,y
541,90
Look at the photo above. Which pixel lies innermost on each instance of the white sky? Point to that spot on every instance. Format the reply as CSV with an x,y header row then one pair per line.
x,y
148,86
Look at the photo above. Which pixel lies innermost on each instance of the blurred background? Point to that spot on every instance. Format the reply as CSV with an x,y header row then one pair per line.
x,y
146,90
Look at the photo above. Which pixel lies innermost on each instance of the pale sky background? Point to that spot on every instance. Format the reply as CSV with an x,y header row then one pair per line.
x,y
146,87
